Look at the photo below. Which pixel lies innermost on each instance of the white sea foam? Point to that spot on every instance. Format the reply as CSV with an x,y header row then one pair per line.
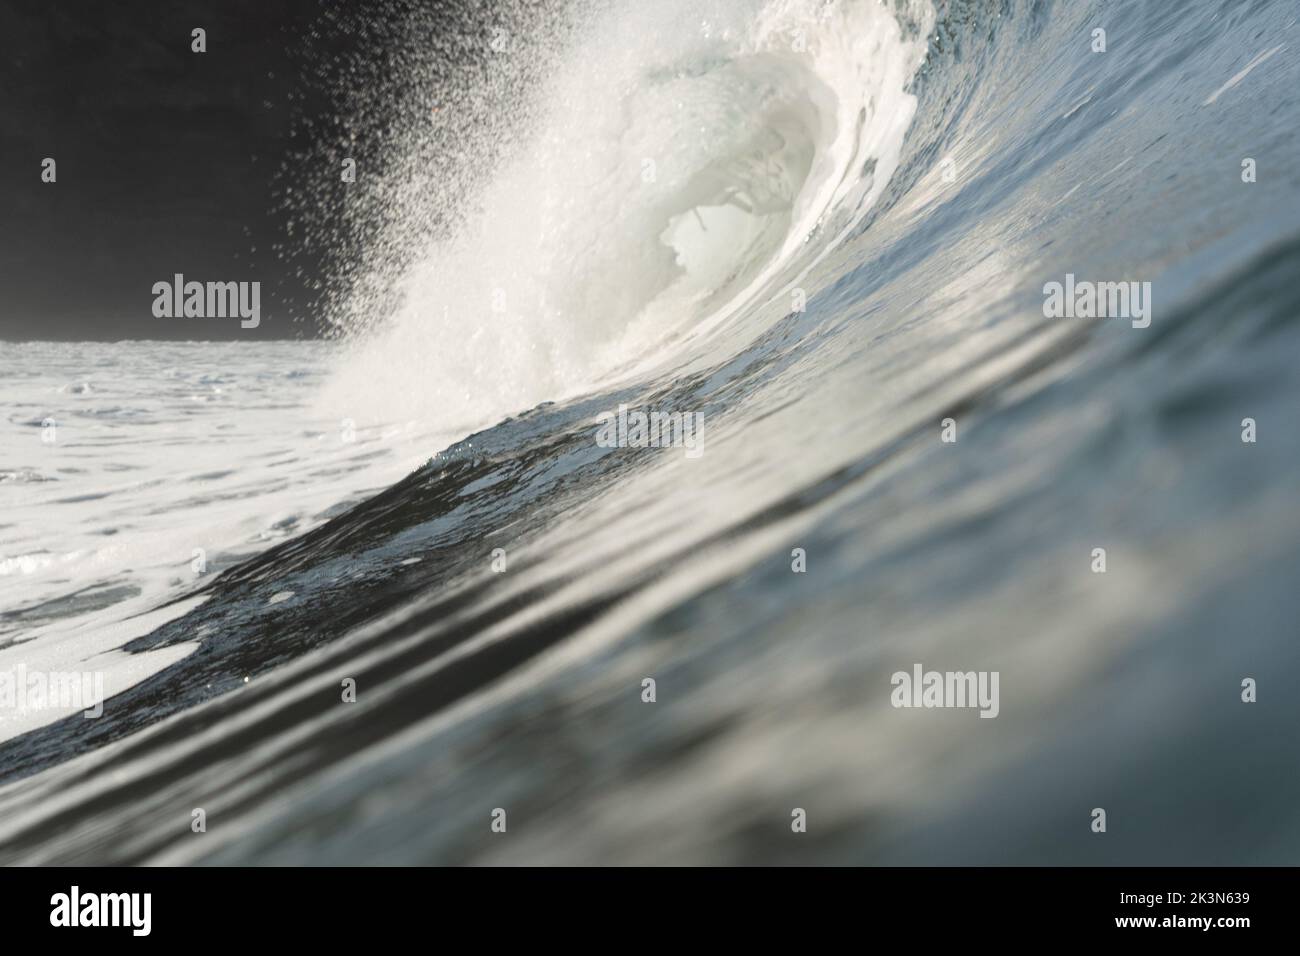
x,y
174,461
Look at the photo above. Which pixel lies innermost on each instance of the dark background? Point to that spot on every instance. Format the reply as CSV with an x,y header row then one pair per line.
x,y
168,160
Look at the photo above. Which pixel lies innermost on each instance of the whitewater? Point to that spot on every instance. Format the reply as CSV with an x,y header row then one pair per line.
x,y
823,230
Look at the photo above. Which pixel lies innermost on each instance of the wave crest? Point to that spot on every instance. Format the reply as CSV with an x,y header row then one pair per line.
x,y
682,161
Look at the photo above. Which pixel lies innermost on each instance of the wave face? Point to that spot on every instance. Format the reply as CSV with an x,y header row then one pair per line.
x,y
822,229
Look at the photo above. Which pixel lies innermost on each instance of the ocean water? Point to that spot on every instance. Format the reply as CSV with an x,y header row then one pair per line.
x,y
824,230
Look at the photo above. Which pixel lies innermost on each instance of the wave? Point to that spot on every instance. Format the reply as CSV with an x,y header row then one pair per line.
x,y
915,176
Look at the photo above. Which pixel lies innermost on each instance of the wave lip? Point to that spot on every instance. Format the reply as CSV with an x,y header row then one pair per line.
x,y
672,178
